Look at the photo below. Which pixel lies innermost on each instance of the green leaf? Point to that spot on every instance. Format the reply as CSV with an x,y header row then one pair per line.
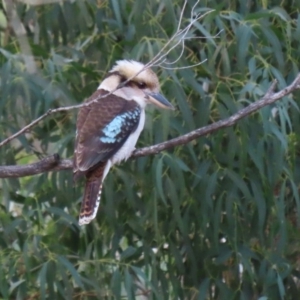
x,y
280,286
204,289
243,34
128,252
117,12
240,183
43,280
15,285
115,284
159,179
129,284
281,13
67,264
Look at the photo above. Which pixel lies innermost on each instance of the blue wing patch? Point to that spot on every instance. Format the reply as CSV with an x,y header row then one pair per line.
x,y
115,130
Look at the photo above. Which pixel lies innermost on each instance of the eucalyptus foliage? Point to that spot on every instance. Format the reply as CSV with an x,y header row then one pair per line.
x,y
215,219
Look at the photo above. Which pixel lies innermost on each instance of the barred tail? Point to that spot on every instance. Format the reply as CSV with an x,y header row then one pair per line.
x,y
92,195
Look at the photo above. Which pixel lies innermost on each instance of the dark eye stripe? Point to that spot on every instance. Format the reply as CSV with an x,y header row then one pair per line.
x,y
139,84
123,79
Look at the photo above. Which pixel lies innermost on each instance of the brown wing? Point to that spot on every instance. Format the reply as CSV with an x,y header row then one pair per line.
x,y
102,129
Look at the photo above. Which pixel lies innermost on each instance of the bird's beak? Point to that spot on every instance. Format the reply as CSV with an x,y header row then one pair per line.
x,y
159,100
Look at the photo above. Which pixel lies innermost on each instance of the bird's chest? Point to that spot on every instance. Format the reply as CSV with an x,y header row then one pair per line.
x,y
129,146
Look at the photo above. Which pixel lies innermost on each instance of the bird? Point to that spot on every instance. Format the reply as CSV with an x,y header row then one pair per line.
x,y
107,130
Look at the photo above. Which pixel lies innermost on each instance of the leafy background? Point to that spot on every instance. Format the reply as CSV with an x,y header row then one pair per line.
x,y
215,219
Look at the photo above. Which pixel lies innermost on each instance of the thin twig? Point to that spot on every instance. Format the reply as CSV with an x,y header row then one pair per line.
x,y
185,67
157,60
181,15
52,163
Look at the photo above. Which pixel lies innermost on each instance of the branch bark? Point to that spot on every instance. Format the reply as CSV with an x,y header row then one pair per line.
x,y
53,162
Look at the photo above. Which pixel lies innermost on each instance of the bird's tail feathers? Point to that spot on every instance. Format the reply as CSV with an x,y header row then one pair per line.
x,y
92,195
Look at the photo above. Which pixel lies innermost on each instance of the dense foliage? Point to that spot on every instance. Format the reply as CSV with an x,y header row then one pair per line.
x,y
215,219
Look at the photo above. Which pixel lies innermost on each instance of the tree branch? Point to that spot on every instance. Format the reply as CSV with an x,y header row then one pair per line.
x,y
53,163
48,163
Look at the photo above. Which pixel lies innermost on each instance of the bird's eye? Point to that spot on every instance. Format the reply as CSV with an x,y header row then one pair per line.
x,y
141,85
122,79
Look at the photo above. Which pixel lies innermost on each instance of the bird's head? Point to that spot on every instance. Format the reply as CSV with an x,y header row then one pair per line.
x,y
143,88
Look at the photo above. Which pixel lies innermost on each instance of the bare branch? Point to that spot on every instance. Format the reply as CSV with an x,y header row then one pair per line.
x,y
42,166
52,163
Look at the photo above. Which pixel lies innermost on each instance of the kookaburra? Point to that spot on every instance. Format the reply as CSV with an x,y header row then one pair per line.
x,y
108,129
